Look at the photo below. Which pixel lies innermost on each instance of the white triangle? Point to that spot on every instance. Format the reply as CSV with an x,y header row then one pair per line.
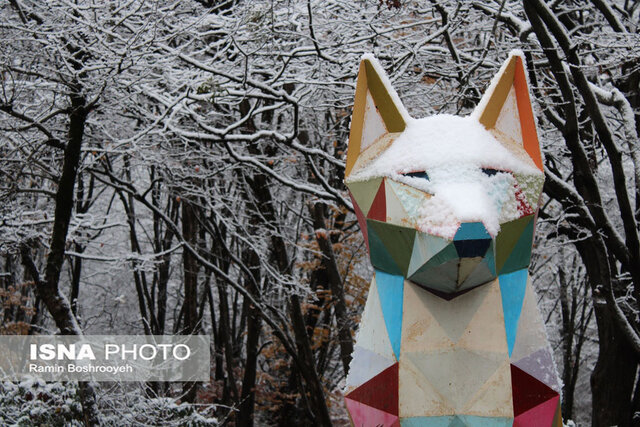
x,y
365,365
531,335
508,122
373,126
372,334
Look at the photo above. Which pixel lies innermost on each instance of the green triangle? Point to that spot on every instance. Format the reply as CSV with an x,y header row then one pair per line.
x,y
466,267
520,256
425,246
364,192
441,277
508,237
397,240
480,275
380,256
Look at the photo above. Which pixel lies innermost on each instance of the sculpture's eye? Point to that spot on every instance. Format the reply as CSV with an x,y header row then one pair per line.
x,y
490,171
421,174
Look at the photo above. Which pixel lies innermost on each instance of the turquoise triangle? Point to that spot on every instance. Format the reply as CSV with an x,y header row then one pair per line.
x,y
427,421
391,294
475,421
512,288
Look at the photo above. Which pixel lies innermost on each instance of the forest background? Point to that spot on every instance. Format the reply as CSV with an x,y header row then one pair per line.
x,y
175,167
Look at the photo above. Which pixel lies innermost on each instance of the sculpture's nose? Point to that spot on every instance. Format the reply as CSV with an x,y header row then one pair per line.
x,y
472,240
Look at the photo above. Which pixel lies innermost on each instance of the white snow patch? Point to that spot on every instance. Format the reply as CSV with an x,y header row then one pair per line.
x,y
443,141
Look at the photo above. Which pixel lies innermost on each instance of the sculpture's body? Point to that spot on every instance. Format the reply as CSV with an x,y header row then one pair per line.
x,y
451,334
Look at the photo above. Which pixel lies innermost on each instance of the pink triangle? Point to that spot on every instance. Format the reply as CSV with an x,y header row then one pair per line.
x,y
538,416
364,415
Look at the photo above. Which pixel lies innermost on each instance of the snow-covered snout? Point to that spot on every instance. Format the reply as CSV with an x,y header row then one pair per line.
x,y
448,202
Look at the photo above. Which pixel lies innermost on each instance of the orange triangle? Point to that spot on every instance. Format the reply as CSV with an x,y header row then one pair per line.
x,y
527,122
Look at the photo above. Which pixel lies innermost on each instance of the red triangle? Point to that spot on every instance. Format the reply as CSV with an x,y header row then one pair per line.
x,y
362,222
378,209
523,207
365,415
380,392
539,416
528,392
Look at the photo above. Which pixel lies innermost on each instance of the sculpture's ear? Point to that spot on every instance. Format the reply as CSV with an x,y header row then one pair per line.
x,y
377,111
505,109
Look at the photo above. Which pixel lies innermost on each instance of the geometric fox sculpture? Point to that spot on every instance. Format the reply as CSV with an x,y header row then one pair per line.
x,y
451,334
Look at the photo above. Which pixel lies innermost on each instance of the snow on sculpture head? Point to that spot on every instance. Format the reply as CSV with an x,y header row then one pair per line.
x,y
448,202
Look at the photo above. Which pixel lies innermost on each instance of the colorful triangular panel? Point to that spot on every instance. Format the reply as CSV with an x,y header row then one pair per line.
x,y
417,396
422,331
362,222
369,364
380,257
485,331
494,397
512,287
411,199
475,421
425,247
380,392
364,415
531,335
378,209
457,374
391,294
397,240
364,192
427,421
395,210
454,316
508,122
520,256
542,415
527,122
528,392
372,334
509,235
471,231
374,125
540,365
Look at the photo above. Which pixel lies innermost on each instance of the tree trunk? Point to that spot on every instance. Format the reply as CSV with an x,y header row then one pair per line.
x,y
190,304
47,288
336,285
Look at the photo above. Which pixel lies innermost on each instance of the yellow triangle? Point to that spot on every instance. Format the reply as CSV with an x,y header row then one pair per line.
x,y
421,332
485,331
494,398
418,398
